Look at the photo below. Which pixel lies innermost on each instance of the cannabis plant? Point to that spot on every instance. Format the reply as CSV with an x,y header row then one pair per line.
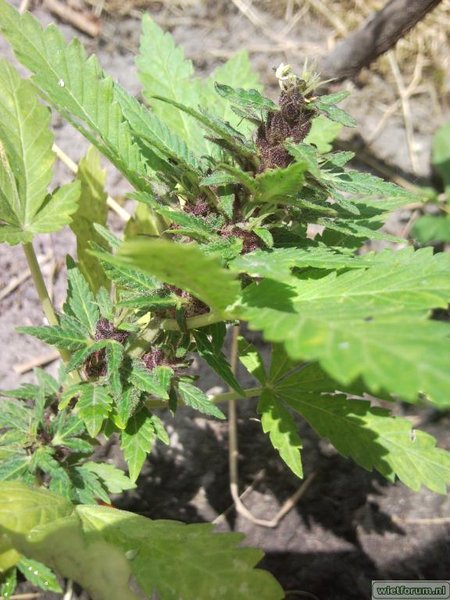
x,y
228,185
436,227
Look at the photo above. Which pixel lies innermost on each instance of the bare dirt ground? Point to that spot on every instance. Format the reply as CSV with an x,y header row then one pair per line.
x,y
351,526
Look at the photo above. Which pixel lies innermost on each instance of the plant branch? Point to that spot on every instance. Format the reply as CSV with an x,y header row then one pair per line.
x,y
233,451
375,37
217,399
39,284
42,292
196,322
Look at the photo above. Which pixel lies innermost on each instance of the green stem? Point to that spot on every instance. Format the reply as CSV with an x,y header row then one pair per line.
x,y
144,341
196,322
42,292
39,284
217,399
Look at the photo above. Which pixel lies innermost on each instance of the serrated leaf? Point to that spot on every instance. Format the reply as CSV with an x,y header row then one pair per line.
x,y
126,405
136,441
155,382
16,414
237,72
93,407
339,159
364,185
124,275
163,70
79,356
26,160
70,338
23,508
280,185
38,574
160,430
305,154
58,209
216,360
223,134
278,263
13,468
113,479
282,430
431,228
264,235
27,391
376,440
105,304
9,579
152,130
335,114
80,300
227,570
46,527
108,236
114,356
370,323
179,217
248,99
182,265
218,178
192,396
251,359
322,133
92,209
85,486
76,86
334,98
148,302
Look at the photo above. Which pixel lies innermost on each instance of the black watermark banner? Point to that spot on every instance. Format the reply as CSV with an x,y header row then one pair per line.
x,y
406,589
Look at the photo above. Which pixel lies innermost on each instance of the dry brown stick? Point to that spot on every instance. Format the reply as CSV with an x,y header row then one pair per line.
x,y
423,521
87,23
24,5
404,93
375,37
233,458
16,281
37,361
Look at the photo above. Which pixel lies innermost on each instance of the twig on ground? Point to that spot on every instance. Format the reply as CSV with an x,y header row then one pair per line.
x,y
83,21
24,5
292,22
412,90
233,458
422,521
259,22
30,596
70,164
258,477
289,10
407,228
405,93
37,361
325,11
16,281
69,590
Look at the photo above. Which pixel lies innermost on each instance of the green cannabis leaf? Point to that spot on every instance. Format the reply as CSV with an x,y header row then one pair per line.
x,y
347,322
26,160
